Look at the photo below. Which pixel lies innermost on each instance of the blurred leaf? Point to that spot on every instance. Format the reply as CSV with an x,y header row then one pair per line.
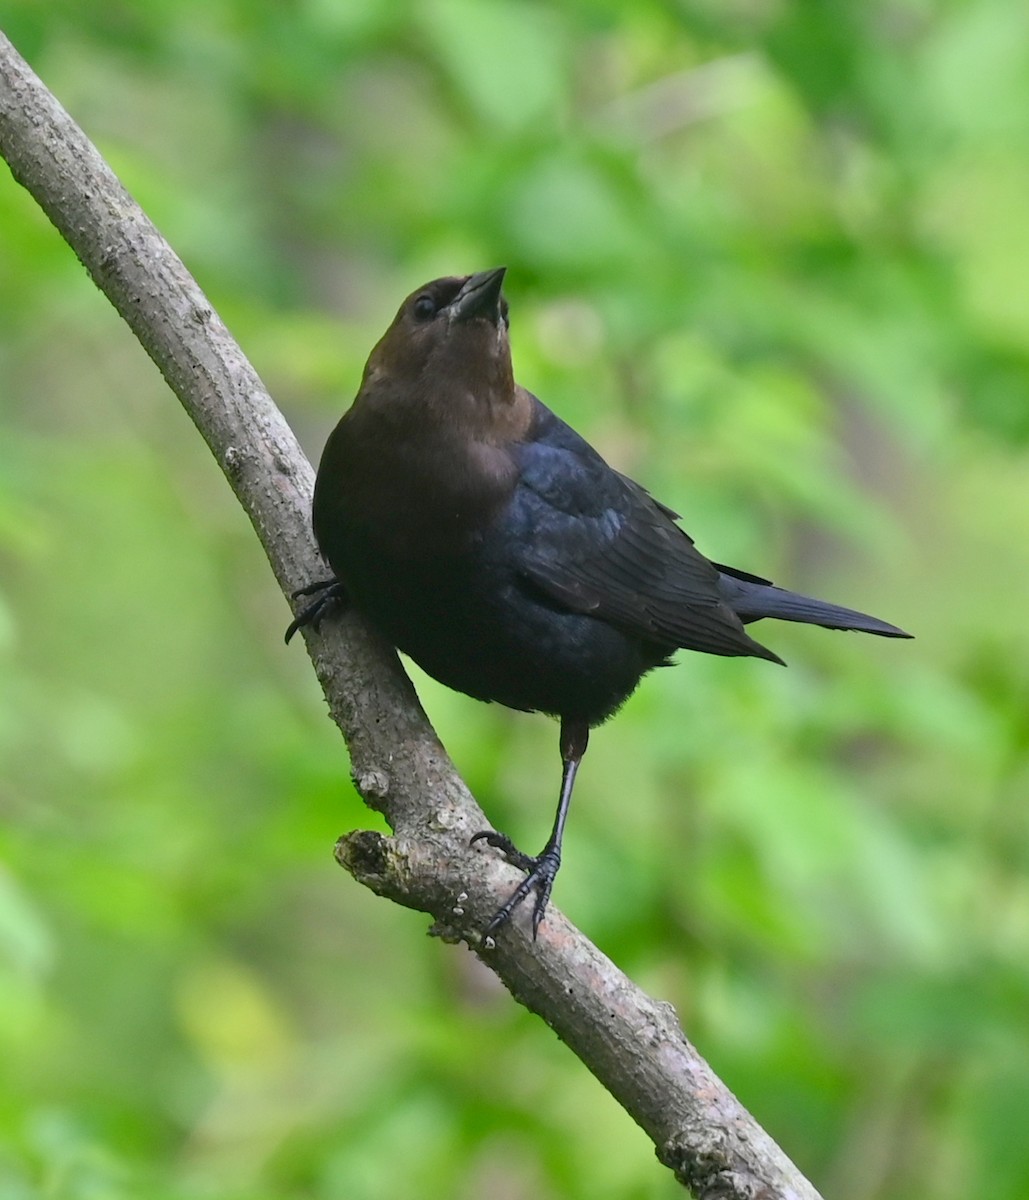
x,y
507,58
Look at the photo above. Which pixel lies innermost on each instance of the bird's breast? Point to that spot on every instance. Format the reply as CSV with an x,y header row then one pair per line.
x,y
411,499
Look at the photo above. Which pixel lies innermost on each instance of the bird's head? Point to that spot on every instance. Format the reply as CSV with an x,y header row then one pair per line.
x,y
447,353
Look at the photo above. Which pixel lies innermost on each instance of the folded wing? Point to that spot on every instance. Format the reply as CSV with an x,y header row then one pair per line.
x,y
596,543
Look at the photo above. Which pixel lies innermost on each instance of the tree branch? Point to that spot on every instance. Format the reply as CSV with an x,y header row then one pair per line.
x,y
631,1043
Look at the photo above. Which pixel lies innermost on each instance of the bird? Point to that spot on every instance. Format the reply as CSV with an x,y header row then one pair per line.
x,y
493,545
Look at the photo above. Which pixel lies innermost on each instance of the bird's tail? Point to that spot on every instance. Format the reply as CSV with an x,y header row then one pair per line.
x,y
752,599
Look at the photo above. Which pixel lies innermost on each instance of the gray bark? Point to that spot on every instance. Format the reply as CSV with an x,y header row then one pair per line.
x,y
632,1043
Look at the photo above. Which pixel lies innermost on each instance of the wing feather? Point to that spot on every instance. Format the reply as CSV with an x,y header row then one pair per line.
x,y
595,542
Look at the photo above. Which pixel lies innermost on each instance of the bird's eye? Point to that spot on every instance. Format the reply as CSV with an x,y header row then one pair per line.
x,y
425,307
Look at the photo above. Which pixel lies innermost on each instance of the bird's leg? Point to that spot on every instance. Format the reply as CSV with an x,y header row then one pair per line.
x,y
541,871
327,593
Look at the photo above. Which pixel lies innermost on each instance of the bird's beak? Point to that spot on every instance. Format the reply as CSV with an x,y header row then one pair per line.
x,y
479,297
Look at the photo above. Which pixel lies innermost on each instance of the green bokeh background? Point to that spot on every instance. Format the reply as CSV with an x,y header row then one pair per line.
x,y
772,257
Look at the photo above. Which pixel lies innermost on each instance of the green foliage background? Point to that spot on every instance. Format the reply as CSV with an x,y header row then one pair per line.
x,y
772,257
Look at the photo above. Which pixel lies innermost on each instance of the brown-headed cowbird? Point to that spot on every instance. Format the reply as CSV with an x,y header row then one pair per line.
x,y
487,540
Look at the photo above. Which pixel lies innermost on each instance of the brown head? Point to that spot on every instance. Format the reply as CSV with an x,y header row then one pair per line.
x,y
423,455
446,359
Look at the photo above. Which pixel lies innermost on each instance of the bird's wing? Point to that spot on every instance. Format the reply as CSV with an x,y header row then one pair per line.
x,y
596,543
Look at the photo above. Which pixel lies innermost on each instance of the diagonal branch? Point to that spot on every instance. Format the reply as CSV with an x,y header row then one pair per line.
x,y
632,1043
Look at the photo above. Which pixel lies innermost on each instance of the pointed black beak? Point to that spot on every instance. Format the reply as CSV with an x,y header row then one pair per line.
x,y
479,297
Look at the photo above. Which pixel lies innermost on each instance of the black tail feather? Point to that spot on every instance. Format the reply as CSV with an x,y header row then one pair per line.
x,y
753,599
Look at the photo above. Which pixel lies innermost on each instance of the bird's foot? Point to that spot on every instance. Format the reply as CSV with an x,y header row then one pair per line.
x,y
327,592
540,873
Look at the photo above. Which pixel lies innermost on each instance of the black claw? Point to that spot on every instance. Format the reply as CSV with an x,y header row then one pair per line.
x,y
501,842
327,592
319,585
540,873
